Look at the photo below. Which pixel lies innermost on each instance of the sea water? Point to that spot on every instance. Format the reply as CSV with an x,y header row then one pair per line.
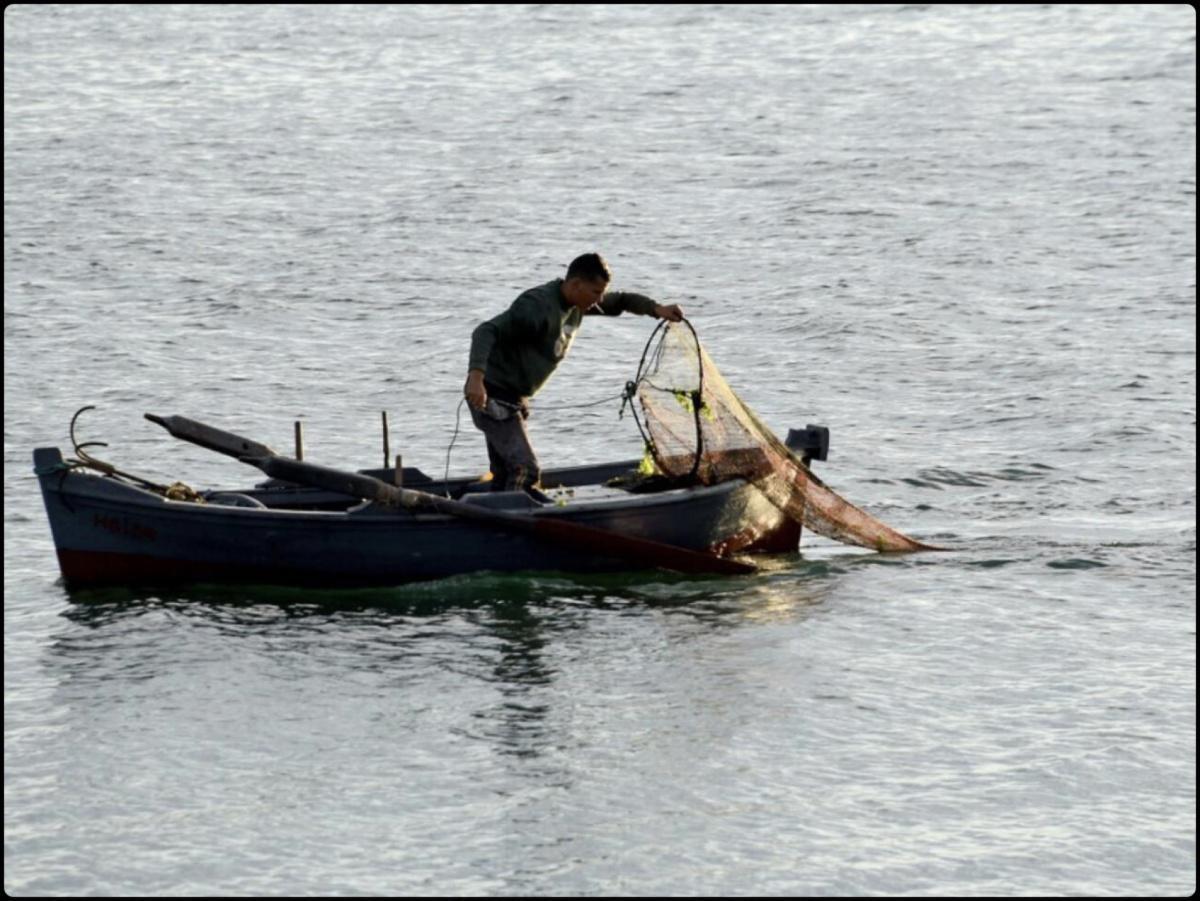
x,y
962,238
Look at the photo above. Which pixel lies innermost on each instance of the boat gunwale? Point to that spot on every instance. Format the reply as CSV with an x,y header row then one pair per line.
x,y
369,509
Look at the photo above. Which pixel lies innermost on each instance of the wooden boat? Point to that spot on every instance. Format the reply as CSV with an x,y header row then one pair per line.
x,y
314,528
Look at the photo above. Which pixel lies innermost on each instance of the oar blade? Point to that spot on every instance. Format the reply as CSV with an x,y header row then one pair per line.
x,y
208,437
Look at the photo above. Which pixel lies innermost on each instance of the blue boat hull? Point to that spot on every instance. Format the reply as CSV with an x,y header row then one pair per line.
x,y
109,532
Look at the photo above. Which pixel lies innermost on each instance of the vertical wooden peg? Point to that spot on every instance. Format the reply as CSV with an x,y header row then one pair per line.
x,y
386,454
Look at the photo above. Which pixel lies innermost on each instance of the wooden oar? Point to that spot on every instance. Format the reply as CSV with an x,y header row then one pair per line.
x,y
595,541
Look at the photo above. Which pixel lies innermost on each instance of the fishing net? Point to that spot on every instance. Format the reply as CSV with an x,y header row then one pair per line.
x,y
699,431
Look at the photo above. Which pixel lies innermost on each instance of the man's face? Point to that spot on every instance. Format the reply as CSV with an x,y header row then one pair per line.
x,y
583,293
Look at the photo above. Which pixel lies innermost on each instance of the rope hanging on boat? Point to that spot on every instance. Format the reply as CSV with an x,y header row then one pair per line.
x,y
176,491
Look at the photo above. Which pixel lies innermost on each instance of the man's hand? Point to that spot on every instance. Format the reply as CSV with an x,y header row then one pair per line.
x,y
474,391
673,312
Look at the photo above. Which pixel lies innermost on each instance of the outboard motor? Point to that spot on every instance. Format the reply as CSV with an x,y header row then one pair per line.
x,y
811,443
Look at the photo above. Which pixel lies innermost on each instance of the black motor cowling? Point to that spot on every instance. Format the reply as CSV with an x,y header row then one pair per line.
x,y
811,442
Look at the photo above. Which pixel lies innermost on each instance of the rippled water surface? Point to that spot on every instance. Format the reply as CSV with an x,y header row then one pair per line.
x,y
963,238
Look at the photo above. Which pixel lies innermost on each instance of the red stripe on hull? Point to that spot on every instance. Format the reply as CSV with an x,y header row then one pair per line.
x,y
95,568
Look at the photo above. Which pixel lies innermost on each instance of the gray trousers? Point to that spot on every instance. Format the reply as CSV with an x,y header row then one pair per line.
x,y
514,464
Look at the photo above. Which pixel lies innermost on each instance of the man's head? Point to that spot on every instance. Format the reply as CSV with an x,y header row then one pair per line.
x,y
587,278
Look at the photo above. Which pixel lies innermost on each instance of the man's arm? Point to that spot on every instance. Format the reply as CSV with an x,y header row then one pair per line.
x,y
617,302
483,339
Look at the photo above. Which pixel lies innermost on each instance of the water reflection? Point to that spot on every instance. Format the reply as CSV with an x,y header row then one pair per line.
x,y
515,666
785,586
464,592
495,645
529,692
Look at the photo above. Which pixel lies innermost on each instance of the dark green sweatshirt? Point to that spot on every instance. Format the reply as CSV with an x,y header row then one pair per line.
x,y
520,348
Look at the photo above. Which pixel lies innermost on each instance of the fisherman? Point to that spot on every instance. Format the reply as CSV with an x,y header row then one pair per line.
x,y
513,354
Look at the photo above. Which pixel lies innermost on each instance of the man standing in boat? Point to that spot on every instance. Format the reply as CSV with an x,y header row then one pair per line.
x,y
513,354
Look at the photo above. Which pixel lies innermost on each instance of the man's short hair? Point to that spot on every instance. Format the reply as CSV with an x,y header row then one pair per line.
x,y
590,267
